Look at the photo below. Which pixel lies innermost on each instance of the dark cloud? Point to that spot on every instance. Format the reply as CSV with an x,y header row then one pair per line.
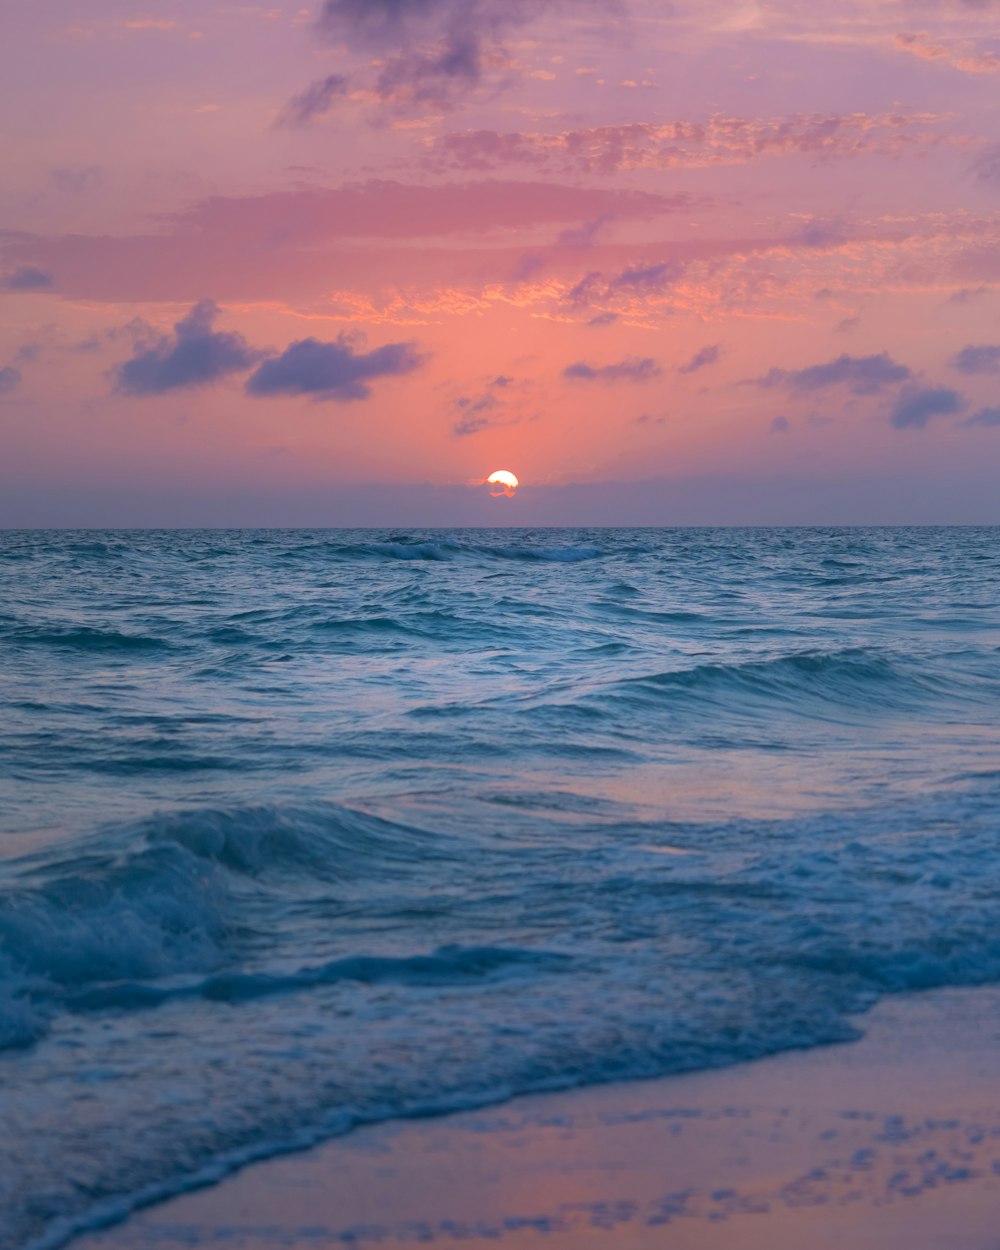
x,y
431,52
780,425
331,371
701,359
28,353
647,418
987,168
981,358
586,289
585,235
603,319
195,355
823,232
27,278
631,369
635,279
968,293
862,375
847,325
483,411
316,100
985,416
645,277
10,379
917,404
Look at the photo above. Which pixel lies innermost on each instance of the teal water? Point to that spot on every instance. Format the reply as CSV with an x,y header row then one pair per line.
x,y
306,828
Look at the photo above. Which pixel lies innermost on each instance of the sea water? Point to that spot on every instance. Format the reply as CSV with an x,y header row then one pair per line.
x,y
305,829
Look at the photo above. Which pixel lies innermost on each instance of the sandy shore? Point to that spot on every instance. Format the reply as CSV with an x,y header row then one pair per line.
x,y
890,1142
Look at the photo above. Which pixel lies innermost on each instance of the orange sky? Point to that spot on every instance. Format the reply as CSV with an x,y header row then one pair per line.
x,y
737,260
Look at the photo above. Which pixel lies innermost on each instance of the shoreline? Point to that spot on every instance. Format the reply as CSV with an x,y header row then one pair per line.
x,y
891,1141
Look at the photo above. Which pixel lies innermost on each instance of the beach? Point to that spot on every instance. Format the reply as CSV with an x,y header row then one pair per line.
x,y
888,1143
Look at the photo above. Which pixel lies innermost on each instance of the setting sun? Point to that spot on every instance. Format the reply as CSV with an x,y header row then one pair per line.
x,y
502,482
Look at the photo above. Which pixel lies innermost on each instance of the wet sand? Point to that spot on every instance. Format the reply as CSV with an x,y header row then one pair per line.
x,y
886,1143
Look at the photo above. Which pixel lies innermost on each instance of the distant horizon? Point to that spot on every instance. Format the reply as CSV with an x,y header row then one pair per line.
x,y
657,503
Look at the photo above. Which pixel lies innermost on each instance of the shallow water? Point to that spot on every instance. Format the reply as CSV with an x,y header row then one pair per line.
x,y
305,828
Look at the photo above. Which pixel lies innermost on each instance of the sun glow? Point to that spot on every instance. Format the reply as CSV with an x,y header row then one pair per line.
x,y
502,482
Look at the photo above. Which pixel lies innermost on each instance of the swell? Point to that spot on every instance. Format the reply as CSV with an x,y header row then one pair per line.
x,y
444,549
84,638
817,684
175,896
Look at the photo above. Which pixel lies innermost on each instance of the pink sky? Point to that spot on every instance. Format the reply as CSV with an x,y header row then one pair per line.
x,y
721,260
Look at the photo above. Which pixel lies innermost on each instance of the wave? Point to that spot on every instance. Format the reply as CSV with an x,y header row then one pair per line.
x,y
84,638
172,896
806,681
450,549
449,965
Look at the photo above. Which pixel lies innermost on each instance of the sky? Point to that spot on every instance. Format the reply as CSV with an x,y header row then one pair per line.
x,y
702,262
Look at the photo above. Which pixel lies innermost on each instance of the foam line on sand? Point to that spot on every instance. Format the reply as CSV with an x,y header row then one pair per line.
x,y
888,1143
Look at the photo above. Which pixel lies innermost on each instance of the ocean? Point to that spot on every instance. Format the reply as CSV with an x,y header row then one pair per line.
x,y
307,829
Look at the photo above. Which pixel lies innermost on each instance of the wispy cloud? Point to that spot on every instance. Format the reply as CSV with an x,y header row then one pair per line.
x,y
317,99
961,56
701,359
720,140
631,369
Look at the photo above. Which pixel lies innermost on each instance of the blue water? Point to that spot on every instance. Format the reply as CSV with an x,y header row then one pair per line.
x,y
302,829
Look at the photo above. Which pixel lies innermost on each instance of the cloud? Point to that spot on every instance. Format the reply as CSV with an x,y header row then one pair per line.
x,y
10,379
483,411
331,371
917,404
981,358
961,56
585,235
968,293
987,167
431,53
633,280
196,355
316,100
780,425
719,140
645,277
985,416
862,375
26,278
385,208
822,232
701,359
603,319
631,369
243,248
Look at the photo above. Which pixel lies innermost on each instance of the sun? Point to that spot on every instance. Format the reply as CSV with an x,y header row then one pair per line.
x,y
502,482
